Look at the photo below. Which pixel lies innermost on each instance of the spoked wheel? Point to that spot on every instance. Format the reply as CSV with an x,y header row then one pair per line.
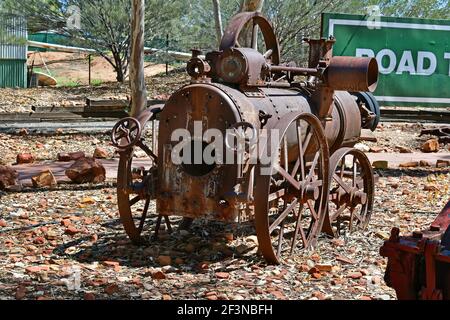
x,y
136,184
352,189
291,191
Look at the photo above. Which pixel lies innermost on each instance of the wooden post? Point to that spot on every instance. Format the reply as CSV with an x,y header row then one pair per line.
x,y
90,70
137,77
167,54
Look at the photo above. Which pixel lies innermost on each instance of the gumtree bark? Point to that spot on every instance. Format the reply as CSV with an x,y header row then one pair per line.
x,y
246,38
252,5
218,19
137,78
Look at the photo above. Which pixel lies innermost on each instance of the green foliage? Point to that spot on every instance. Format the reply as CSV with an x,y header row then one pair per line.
x,y
105,24
96,82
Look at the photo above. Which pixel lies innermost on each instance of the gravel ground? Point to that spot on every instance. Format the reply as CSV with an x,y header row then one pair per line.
x,y
68,243
23,100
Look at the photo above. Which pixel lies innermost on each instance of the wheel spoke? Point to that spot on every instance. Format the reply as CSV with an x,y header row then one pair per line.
x,y
288,177
313,166
135,200
344,186
314,214
276,195
144,216
338,213
280,239
282,216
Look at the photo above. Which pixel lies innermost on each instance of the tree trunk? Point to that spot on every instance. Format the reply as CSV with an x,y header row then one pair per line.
x,y
248,37
252,5
218,18
137,78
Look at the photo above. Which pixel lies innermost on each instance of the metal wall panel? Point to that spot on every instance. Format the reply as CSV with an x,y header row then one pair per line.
x,y
13,73
13,37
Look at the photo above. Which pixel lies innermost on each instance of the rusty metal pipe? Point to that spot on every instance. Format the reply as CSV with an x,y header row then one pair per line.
x,y
295,70
352,74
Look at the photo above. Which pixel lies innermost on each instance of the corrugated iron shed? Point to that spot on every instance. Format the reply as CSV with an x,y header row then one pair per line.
x,y
13,52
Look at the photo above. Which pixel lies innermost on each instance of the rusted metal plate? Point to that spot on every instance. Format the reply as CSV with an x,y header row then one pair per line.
x,y
419,266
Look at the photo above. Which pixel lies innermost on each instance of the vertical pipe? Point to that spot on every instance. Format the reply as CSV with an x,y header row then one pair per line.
x,y
90,70
137,78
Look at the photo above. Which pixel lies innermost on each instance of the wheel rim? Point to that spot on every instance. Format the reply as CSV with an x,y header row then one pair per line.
x,y
351,195
135,183
290,201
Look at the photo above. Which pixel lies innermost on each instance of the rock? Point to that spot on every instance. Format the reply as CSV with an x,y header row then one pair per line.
x,y
413,164
111,264
89,296
51,235
338,242
362,147
87,170
3,224
346,260
442,164
66,223
101,153
73,156
166,297
190,248
164,261
382,235
430,188
72,231
424,163
404,149
8,177
355,275
324,267
376,149
36,269
39,240
21,292
112,289
25,158
253,239
179,261
222,275
431,145
381,165
319,295
316,276
159,275
278,295
23,132
44,179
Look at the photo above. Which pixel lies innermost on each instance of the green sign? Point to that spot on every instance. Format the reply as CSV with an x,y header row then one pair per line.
x,y
413,55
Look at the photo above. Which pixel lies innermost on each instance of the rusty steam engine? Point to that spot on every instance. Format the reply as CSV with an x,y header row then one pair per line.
x,y
304,119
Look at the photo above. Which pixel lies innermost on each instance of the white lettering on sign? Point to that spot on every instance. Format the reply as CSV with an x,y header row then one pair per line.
x,y
392,61
447,57
421,57
387,61
365,53
406,64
